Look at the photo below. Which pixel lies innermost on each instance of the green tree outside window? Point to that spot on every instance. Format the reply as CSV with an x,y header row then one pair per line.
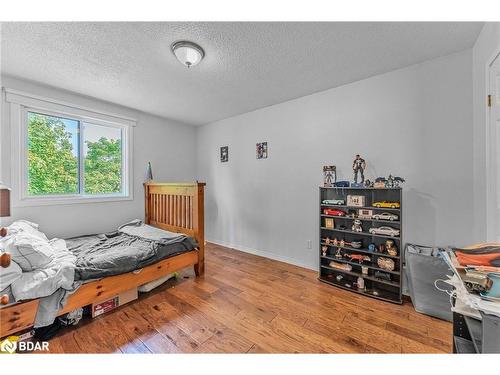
x,y
53,162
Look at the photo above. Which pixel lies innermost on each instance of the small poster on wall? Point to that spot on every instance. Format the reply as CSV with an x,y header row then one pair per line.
x,y
224,154
261,150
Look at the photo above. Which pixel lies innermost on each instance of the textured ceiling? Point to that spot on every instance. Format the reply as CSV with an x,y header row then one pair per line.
x,y
247,65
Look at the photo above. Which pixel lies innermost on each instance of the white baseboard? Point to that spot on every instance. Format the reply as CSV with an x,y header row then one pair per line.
x,y
265,254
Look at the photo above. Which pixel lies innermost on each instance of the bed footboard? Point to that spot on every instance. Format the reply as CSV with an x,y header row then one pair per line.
x,y
178,208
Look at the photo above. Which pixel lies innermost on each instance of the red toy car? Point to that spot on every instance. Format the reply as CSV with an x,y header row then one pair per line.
x,y
332,212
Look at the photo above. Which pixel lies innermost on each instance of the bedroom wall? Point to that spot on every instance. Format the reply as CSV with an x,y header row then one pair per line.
x,y
167,144
414,122
487,46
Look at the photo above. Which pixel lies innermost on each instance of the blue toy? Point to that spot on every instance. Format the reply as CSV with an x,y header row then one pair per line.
x,y
341,184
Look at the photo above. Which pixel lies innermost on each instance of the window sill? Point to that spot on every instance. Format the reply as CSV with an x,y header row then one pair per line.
x,y
50,201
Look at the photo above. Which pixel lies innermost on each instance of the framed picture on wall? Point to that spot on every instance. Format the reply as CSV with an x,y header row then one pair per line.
x,y
224,154
261,150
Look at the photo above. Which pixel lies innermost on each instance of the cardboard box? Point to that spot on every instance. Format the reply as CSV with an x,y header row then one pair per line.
x,y
114,302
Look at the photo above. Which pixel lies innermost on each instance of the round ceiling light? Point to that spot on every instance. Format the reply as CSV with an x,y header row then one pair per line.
x,y
188,53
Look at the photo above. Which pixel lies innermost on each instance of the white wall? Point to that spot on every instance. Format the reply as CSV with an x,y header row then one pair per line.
x,y
167,144
414,122
485,49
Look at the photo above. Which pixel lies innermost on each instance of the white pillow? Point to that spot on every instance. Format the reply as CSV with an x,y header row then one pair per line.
x,y
9,275
26,226
29,251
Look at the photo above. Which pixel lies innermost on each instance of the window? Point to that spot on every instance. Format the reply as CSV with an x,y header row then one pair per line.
x,y
70,156
53,155
102,159
64,153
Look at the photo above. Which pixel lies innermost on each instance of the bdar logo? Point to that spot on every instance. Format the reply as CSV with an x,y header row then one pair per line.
x,y
13,344
9,345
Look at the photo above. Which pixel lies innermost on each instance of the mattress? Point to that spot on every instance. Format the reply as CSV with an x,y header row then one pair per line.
x,y
104,255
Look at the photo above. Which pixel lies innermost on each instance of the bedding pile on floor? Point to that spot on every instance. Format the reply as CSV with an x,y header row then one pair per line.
x,y
53,269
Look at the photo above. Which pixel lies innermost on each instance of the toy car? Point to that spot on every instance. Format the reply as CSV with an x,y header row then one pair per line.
x,y
385,216
332,212
386,204
341,184
335,202
356,244
476,281
385,231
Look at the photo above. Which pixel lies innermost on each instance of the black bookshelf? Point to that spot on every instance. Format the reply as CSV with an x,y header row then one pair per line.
x,y
386,287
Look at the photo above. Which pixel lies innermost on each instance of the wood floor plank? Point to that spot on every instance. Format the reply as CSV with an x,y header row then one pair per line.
x,y
172,325
249,304
226,341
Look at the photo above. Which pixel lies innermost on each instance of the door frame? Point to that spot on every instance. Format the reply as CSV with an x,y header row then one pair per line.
x,y
491,157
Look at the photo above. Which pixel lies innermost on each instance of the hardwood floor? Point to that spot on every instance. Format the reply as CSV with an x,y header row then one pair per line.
x,y
250,304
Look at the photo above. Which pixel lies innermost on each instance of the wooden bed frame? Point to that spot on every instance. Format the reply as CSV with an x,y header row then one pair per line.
x,y
174,207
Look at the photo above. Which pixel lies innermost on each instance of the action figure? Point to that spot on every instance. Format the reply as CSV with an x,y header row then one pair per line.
x,y
356,226
359,165
393,182
329,175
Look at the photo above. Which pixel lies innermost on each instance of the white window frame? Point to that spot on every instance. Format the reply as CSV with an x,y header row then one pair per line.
x,y
20,105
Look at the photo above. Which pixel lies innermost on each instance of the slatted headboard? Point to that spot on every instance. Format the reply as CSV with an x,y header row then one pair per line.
x,y
178,207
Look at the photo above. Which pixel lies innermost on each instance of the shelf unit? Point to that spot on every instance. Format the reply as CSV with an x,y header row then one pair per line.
x,y
375,286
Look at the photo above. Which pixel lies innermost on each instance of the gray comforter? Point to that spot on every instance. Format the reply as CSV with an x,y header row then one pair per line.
x,y
102,255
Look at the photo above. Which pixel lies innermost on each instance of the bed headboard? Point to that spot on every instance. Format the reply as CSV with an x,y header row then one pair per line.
x,y
177,207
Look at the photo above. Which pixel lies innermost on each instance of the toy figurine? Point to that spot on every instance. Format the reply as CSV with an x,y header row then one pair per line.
x,y
358,166
324,249
342,243
381,248
391,248
371,247
360,283
351,213
356,226
393,182
338,253
327,240
329,175
335,241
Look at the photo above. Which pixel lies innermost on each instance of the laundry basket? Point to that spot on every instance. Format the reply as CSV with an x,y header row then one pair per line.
x,y
425,265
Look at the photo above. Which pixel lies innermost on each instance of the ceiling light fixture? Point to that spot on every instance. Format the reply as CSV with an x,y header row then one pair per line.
x,y
188,53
